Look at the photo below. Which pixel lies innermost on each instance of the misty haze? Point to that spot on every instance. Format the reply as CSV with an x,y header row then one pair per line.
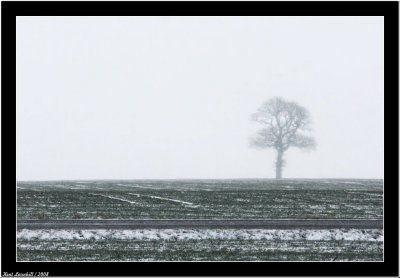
x,y
259,134
170,97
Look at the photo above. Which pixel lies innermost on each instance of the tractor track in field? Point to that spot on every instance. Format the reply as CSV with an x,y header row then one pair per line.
x,y
89,224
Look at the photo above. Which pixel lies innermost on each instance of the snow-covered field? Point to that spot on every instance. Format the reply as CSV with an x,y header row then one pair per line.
x,y
197,234
200,245
243,199
201,199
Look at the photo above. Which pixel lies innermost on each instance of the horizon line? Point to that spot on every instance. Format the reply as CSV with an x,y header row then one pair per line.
x,y
142,179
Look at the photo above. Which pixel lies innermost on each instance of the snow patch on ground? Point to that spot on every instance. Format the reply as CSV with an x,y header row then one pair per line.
x,y
116,198
317,207
59,185
242,200
199,234
80,185
138,186
352,182
288,187
161,198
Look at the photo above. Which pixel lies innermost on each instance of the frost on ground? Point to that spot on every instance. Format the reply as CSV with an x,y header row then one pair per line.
x,y
297,199
200,234
161,198
115,198
138,186
200,245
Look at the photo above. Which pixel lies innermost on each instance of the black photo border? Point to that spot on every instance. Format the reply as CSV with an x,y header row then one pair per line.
x,y
11,9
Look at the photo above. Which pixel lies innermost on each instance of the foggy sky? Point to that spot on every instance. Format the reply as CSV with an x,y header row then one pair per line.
x,y
171,97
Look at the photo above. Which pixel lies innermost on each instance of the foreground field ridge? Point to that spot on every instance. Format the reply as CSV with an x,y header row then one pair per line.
x,y
202,224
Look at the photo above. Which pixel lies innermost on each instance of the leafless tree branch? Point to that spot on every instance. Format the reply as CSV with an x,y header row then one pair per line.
x,y
283,121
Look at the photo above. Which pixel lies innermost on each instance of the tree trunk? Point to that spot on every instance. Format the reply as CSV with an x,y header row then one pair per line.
x,y
279,164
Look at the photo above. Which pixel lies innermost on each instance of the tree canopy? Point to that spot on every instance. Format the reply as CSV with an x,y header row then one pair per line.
x,y
285,124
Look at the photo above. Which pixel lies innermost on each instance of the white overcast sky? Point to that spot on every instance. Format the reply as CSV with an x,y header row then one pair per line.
x,y
171,97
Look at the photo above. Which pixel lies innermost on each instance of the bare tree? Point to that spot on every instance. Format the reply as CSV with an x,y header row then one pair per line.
x,y
284,123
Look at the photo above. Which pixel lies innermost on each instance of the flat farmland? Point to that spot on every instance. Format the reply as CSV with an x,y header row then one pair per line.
x,y
200,199
227,199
